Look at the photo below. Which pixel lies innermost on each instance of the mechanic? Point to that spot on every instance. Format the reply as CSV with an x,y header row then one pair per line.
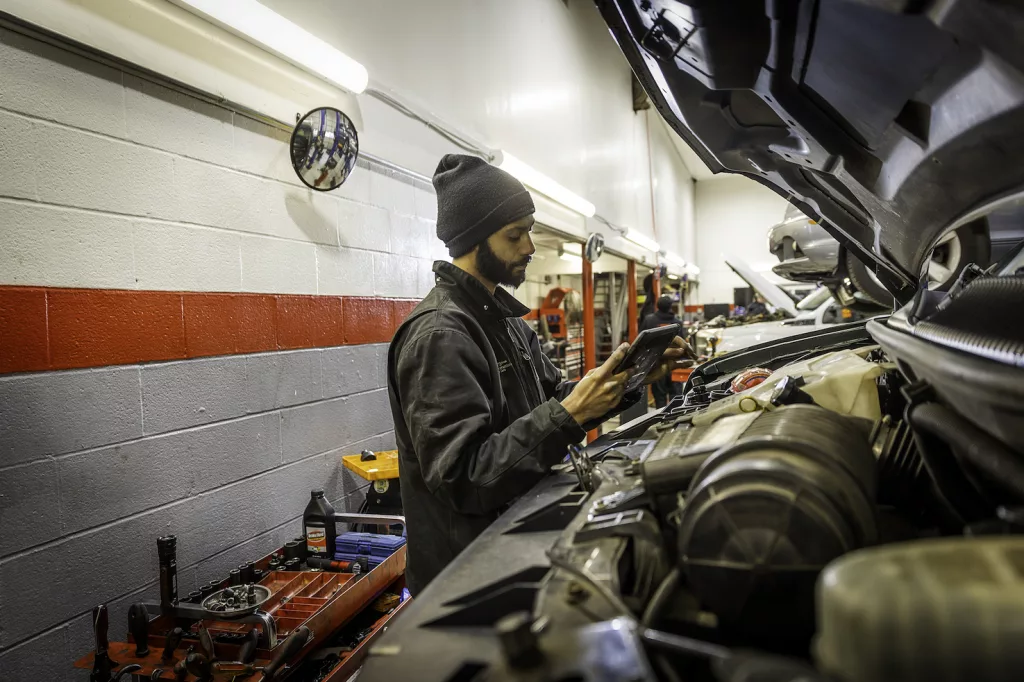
x,y
664,389
480,413
757,306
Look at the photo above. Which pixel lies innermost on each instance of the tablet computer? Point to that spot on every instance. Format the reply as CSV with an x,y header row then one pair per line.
x,y
646,351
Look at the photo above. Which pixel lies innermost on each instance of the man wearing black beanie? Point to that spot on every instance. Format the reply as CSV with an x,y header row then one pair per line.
x,y
480,413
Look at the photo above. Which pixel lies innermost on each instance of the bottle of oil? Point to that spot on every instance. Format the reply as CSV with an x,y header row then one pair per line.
x,y
318,524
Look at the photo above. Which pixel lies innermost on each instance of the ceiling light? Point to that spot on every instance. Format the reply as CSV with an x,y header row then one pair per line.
x,y
691,270
543,184
573,247
673,277
271,31
641,239
675,259
571,258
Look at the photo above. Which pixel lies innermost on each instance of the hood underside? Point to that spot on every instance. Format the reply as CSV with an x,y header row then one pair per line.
x,y
887,120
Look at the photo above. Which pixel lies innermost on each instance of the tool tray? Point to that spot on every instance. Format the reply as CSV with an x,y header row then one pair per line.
x,y
321,601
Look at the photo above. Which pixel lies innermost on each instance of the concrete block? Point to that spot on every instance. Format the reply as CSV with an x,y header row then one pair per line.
x,y
426,204
278,267
222,518
315,428
364,227
111,483
395,276
217,566
357,186
262,150
349,369
56,85
382,365
177,395
392,193
44,658
369,414
27,496
158,117
300,214
178,257
52,246
412,236
344,271
274,380
104,174
332,424
57,412
17,142
217,197
425,276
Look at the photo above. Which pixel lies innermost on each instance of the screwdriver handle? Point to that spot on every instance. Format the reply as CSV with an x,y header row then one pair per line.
x,y
100,622
206,643
291,646
138,625
199,665
172,642
247,653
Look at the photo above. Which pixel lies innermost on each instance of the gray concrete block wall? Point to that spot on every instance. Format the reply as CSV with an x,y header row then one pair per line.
x,y
222,452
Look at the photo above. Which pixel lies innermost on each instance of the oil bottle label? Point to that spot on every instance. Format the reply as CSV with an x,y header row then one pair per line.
x,y
316,539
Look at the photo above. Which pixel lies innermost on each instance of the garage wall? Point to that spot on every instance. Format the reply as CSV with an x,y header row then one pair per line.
x,y
189,341
733,215
542,79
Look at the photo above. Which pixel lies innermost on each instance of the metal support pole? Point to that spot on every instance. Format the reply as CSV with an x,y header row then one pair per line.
x,y
631,291
589,342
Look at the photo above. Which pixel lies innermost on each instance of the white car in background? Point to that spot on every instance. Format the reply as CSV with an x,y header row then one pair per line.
x,y
816,310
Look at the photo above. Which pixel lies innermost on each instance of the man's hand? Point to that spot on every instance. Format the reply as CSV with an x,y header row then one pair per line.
x,y
677,356
599,391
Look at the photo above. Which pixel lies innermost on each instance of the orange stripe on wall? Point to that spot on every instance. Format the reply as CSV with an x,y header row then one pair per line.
x,y
50,328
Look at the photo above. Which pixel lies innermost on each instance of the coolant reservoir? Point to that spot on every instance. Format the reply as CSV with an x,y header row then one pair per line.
x,y
843,382
949,610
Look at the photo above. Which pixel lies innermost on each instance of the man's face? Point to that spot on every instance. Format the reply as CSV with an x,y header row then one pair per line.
x,y
504,256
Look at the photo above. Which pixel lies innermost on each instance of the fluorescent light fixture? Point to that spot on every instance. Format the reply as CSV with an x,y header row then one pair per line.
x,y
543,184
691,270
571,258
641,239
268,29
675,259
673,277
573,248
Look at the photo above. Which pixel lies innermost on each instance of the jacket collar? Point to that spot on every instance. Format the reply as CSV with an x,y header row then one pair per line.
x,y
497,306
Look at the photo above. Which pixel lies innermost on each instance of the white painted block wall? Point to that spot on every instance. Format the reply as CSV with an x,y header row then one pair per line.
x,y
734,214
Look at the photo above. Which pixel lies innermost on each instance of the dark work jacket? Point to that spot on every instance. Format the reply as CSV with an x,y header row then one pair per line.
x,y
658,319
477,412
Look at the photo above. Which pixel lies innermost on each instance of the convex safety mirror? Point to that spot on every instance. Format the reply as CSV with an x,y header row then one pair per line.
x,y
324,147
594,248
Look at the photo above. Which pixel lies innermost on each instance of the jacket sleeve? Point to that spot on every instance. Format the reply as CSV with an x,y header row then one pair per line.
x,y
442,377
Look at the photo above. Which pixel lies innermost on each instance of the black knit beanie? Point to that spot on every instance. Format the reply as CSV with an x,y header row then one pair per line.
x,y
475,200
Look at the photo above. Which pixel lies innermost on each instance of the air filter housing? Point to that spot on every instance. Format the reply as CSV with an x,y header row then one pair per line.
x,y
765,513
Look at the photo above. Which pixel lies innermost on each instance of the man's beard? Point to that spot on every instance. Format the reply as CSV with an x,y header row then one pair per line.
x,y
498,271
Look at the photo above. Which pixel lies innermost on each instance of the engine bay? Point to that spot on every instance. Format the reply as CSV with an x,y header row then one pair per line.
x,y
818,508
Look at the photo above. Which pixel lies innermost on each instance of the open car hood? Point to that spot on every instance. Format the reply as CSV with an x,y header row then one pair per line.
x,y
759,283
886,120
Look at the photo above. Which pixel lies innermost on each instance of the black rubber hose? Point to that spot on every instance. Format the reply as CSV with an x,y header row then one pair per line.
x,y
973,444
661,597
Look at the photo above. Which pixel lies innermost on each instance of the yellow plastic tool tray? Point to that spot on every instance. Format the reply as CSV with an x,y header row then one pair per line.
x,y
385,466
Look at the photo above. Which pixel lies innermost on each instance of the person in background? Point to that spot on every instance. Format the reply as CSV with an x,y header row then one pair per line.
x,y
664,389
757,306
480,413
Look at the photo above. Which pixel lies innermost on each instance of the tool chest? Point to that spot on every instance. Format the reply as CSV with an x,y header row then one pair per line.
x,y
309,625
